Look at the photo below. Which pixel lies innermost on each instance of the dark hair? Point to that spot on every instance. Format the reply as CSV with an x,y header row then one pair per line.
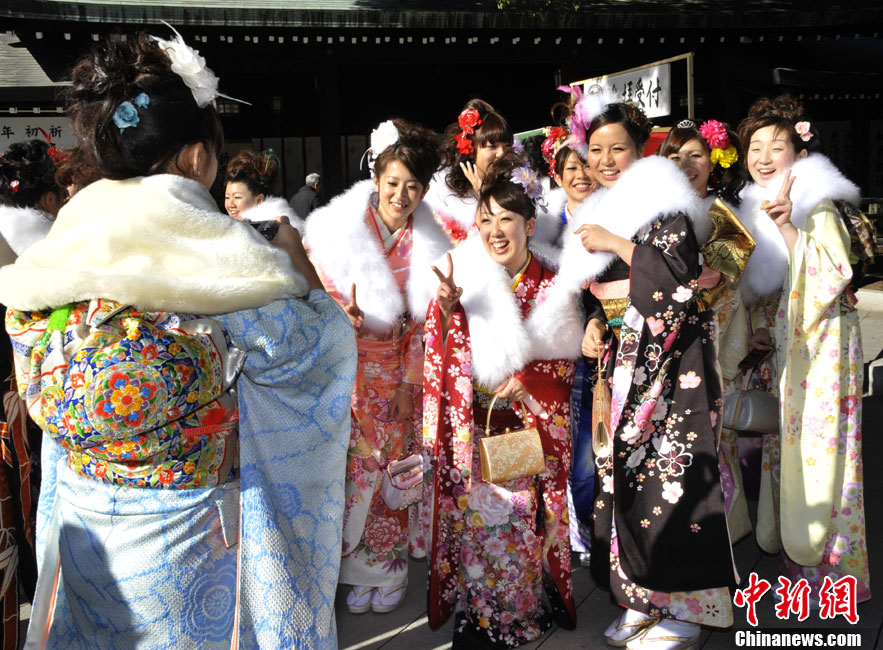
x,y
783,112
417,149
257,171
497,184
493,129
118,71
30,165
725,183
561,158
630,116
533,152
76,169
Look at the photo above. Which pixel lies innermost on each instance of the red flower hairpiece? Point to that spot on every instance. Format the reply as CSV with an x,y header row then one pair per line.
x,y
552,144
468,120
13,185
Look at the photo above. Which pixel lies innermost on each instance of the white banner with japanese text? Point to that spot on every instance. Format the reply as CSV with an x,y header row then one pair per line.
x,y
648,87
18,128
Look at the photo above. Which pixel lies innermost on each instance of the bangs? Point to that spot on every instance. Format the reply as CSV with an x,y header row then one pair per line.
x,y
677,138
494,128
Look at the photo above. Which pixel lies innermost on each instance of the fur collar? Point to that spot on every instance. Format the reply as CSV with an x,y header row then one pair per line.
x,y
651,187
503,343
158,243
349,253
816,179
448,205
21,227
549,228
272,208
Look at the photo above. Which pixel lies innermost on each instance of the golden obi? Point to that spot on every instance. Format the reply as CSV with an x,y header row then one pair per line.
x,y
510,455
727,250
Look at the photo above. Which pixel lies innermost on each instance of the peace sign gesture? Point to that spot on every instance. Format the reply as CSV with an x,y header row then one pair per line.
x,y
448,292
779,209
356,315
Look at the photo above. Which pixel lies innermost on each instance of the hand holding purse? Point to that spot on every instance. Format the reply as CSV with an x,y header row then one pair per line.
x,y
751,412
510,455
403,482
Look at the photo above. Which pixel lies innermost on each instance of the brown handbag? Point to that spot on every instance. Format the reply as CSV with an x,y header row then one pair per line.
x,y
601,417
510,455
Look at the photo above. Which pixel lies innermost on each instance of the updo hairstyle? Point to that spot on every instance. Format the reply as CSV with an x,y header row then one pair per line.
x,y
493,129
417,149
76,170
498,185
725,183
257,170
118,71
630,116
783,112
30,165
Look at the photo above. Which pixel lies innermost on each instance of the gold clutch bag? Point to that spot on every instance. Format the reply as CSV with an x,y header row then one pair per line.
x,y
510,455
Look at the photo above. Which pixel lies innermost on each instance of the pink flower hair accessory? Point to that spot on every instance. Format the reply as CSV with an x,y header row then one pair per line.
x,y
803,130
585,109
715,135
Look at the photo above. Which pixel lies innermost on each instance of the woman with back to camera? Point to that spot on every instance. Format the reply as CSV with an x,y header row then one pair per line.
x,y
29,203
188,377
660,511
370,244
470,145
501,331
249,181
799,284
708,155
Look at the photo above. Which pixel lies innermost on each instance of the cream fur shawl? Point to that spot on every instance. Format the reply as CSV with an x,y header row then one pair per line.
x,y
157,243
348,253
441,199
503,343
651,187
271,209
816,179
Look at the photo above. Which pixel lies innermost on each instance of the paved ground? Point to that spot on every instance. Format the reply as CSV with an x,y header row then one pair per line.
x,y
407,627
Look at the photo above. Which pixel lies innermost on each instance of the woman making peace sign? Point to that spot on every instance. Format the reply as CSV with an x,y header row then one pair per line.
x,y
800,280
501,325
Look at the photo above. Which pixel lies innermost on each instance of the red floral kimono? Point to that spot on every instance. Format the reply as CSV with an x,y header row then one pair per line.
x,y
490,559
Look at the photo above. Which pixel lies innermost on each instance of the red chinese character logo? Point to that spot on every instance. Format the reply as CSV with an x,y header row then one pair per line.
x,y
794,599
749,596
838,598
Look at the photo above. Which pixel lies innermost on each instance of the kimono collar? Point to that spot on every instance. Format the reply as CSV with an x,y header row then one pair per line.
x,y
816,179
348,252
652,188
158,243
502,342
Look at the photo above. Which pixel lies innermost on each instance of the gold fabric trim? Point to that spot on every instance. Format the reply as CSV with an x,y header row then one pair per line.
x,y
727,250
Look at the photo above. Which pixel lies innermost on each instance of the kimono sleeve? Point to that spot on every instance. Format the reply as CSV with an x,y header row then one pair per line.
x,y
665,267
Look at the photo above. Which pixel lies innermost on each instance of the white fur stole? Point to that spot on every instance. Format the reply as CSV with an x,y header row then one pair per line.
x,y
448,205
157,243
651,187
341,243
21,227
816,179
503,343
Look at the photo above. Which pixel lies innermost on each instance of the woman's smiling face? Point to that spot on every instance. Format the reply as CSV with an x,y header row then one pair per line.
x,y
611,153
504,234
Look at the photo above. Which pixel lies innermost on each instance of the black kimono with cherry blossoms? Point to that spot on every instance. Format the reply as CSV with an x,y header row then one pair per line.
x,y
660,509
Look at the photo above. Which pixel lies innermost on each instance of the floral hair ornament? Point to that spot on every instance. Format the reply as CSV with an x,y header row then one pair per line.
x,y
191,67
13,185
585,109
53,152
555,139
126,114
469,119
722,151
803,130
384,136
529,180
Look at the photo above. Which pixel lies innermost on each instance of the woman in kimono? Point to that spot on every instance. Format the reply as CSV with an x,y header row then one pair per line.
x,y
368,244
185,373
249,180
708,155
500,327
660,511
800,283
480,136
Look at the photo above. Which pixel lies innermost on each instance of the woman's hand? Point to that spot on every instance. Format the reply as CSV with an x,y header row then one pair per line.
x,y
780,208
356,315
598,239
512,389
448,294
760,340
288,239
402,406
592,345
470,171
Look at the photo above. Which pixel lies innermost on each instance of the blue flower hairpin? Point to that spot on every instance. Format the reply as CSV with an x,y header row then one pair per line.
x,y
126,114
